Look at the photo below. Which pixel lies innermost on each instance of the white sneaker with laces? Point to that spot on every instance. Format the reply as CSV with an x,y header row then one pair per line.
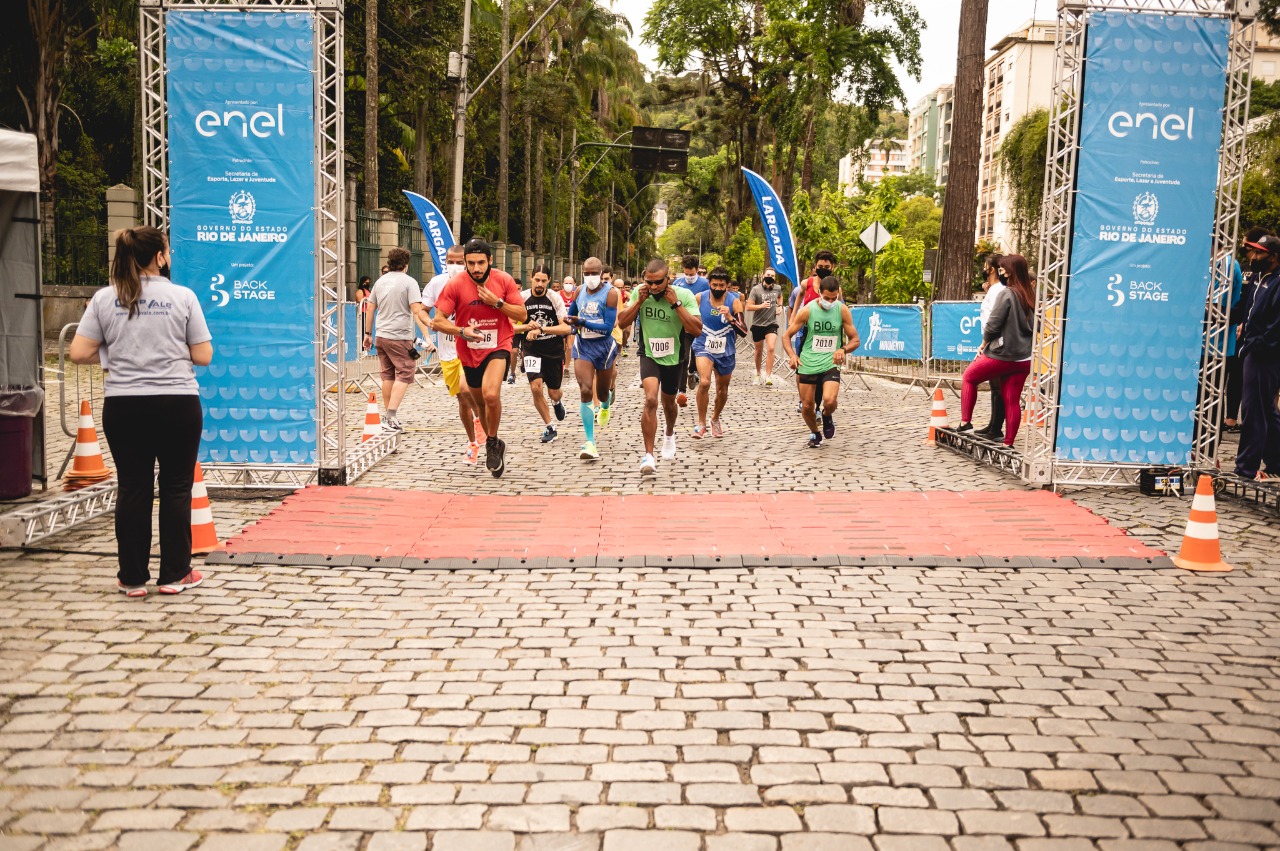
x,y
758,378
768,380
648,466
668,447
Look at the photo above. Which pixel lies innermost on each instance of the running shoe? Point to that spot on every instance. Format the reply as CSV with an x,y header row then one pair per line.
x,y
589,452
473,452
549,434
758,379
602,417
131,590
828,426
717,430
495,458
815,440
682,400
800,408
511,379
768,379
481,437
392,424
698,432
191,580
669,447
558,407
648,466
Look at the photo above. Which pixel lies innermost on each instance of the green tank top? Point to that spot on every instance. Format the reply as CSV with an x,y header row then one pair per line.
x,y
824,333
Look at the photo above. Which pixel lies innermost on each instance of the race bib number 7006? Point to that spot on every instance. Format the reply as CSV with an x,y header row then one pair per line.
x,y
661,347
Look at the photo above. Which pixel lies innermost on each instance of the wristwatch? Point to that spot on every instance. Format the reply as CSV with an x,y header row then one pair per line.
x,y
500,303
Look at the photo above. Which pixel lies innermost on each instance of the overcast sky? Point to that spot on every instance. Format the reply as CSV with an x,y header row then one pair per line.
x,y
938,41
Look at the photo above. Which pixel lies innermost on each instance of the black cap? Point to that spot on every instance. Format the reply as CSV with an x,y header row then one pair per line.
x,y
1268,243
476,245
719,273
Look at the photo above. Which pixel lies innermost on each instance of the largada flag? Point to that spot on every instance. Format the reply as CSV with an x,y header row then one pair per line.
x,y
435,230
777,227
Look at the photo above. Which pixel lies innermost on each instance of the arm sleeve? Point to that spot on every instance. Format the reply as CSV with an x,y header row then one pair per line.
x,y
571,309
197,328
90,328
994,328
606,324
562,309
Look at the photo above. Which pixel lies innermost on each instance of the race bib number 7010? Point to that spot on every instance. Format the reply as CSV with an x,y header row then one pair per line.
x,y
824,344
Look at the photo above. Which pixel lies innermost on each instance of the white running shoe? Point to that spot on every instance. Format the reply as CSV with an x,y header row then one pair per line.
x,y
768,380
648,466
668,447
758,378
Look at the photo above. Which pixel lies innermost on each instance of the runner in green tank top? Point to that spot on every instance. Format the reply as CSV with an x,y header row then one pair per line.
x,y
829,336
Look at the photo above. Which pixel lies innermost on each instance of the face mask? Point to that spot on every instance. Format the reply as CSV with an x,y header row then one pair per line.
x,y
165,271
718,293
768,283
483,277
1258,266
691,276
592,282
454,269
568,288
822,271
825,303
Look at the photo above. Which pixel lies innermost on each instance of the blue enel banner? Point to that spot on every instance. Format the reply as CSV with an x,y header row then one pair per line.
x,y
242,194
889,331
777,227
435,230
1151,125
955,330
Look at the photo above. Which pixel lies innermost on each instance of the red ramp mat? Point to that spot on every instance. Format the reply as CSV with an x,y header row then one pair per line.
x,y
384,522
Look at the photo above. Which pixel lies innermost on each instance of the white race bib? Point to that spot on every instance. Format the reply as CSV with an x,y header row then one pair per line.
x,y
824,344
714,345
661,347
488,339
533,365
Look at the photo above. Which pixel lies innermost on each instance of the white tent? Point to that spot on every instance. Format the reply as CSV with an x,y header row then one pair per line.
x,y
21,325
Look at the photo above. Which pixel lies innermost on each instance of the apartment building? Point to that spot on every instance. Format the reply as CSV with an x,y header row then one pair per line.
x,y
879,158
1018,80
929,133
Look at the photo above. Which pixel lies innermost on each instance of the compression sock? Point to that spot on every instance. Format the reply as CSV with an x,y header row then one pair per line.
x,y
588,421
609,401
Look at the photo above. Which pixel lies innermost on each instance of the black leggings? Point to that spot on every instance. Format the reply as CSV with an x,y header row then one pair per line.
x,y
142,430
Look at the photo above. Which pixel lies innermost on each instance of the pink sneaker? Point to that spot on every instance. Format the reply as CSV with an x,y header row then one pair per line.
x,y
131,590
717,430
473,451
191,580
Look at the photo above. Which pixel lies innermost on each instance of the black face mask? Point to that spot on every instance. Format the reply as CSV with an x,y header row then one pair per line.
x,y
822,271
165,270
482,278
652,284
1257,266
718,293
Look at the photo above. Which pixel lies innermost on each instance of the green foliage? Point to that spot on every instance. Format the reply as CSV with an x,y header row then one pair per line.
x,y
1022,159
921,221
900,272
1264,98
744,256
677,238
980,251
1259,201
837,222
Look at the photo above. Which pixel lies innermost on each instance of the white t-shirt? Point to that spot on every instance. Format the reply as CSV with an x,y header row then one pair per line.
x,y
150,354
394,295
446,346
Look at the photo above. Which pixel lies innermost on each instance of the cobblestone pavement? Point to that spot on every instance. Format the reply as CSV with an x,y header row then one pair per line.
x,y
885,708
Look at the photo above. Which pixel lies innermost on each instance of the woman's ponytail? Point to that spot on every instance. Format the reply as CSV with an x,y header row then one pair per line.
x,y
136,248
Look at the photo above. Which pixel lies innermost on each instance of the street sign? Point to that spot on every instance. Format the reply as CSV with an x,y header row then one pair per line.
x,y
660,149
875,237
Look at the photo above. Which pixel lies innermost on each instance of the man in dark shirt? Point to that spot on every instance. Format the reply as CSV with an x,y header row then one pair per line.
x,y
1260,419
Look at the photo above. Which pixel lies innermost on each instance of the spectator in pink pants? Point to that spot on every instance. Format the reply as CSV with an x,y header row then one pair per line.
x,y
1006,347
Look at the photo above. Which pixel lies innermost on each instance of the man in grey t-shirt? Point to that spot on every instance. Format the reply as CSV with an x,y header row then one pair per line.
x,y
762,307
395,301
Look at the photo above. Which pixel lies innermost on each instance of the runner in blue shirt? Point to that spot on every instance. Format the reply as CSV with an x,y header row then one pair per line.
x,y
696,284
593,314
715,348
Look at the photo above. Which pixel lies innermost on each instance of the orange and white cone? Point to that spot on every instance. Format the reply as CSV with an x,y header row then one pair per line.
x,y
1200,548
938,419
204,536
372,420
87,465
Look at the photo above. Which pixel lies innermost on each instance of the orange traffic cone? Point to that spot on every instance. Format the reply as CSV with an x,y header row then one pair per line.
x,y
204,536
938,419
372,421
1200,550
87,465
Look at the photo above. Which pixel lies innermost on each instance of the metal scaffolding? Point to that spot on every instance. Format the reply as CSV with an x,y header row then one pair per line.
x,y
1040,464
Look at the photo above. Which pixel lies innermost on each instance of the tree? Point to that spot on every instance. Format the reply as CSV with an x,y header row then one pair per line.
x,y
371,105
960,213
921,221
1022,160
744,255
900,272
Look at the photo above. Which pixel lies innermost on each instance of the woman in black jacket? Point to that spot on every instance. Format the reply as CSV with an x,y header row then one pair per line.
x,y
1006,347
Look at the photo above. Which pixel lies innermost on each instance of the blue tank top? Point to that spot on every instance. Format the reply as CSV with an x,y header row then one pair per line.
x,y
591,305
717,334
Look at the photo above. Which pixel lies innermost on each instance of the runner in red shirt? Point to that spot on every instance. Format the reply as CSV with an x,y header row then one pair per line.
x,y
479,307
824,264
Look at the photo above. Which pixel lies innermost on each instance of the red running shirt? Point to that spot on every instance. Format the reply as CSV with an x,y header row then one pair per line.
x,y
461,300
